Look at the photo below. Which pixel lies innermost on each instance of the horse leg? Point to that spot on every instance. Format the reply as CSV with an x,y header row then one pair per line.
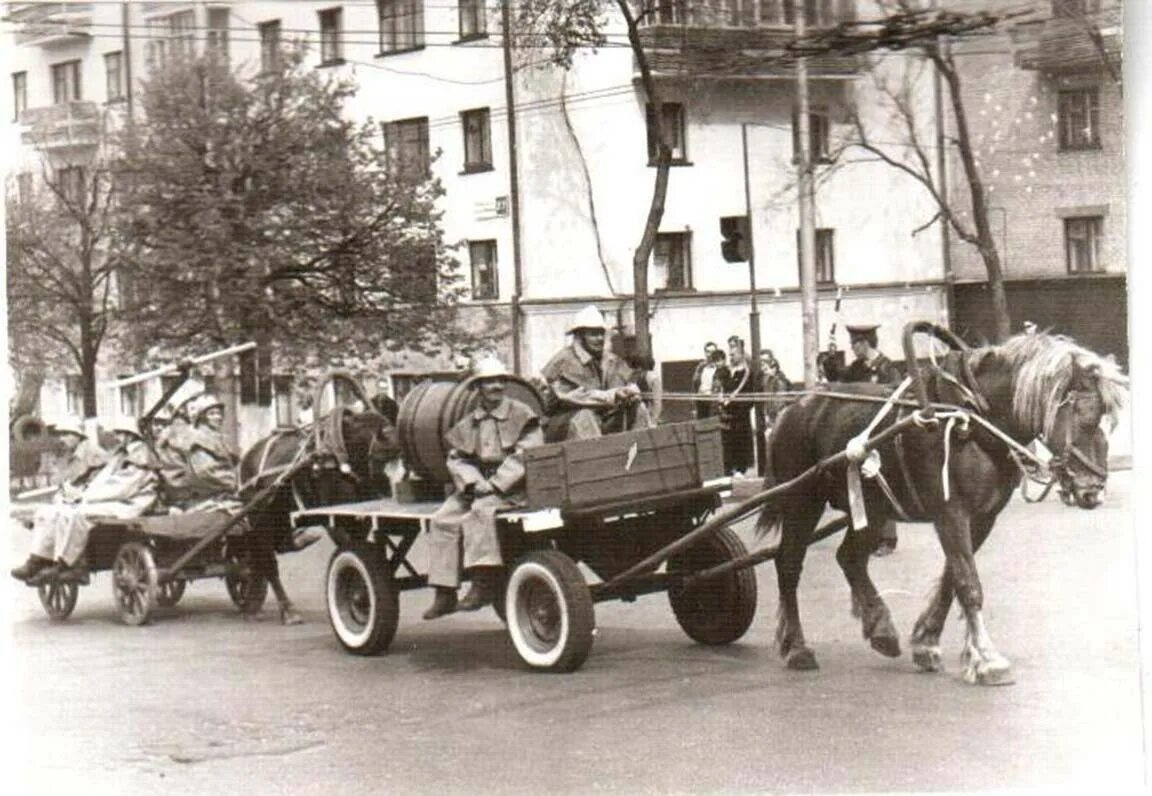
x,y
926,632
853,555
983,665
264,556
799,518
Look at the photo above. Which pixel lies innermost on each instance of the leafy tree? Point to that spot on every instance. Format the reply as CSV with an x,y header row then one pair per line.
x,y
61,260
259,211
567,25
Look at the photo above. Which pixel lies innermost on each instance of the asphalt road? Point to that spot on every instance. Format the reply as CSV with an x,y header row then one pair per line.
x,y
204,702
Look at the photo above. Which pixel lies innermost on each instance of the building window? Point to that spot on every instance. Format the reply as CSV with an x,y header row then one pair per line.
x,y
473,19
19,94
401,25
130,400
74,395
172,37
1079,118
269,45
282,393
1082,236
672,261
65,82
477,140
114,75
825,255
672,116
218,22
482,254
70,183
331,30
406,143
819,137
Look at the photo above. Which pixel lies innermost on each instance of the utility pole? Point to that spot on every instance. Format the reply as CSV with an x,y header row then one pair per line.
x,y
808,310
514,184
754,313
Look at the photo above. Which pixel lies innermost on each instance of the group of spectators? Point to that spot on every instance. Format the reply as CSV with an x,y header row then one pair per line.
x,y
183,463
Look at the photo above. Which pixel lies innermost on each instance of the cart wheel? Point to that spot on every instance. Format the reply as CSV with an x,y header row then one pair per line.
x,y
550,614
134,582
248,592
363,605
58,599
718,610
170,592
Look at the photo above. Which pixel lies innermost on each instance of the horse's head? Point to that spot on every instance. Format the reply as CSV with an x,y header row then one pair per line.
x,y
1063,393
353,448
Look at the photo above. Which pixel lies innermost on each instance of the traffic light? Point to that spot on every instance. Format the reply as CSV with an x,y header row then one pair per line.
x,y
734,247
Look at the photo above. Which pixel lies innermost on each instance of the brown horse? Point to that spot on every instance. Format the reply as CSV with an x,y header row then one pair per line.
x,y
343,454
953,471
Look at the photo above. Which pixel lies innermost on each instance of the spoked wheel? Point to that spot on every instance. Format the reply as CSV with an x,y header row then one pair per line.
x,y
58,598
170,592
550,618
718,610
363,605
134,583
249,591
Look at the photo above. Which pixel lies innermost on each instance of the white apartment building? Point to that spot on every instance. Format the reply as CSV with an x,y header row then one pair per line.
x,y
433,74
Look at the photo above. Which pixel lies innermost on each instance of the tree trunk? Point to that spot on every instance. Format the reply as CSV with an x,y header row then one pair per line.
x,y
986,244
27,401
88,381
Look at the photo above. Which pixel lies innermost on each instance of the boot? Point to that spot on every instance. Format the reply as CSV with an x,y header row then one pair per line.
x,y
485,582
32,567
443,604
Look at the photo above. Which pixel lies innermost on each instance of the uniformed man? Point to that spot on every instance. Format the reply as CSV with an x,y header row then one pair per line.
x,y
593,388
486,461
125,487
870,365
211,457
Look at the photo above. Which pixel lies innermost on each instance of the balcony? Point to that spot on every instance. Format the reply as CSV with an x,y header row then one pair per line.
x,y
50,24
69,125
739,38
1070,44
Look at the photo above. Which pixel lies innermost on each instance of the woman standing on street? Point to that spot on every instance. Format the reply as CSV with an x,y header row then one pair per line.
x,y
738,414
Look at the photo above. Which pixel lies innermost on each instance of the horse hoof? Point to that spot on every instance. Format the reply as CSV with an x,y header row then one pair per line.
x,y
801,660
886,645
989,673
927,659
291,618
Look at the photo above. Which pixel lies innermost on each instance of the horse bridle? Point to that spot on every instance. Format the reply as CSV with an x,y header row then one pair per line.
x,y
1060,463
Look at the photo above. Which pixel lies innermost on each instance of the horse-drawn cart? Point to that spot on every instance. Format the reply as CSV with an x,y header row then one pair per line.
x,y
601,519
152,560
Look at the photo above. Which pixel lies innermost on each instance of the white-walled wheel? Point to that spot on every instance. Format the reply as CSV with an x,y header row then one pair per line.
x,y
718,610
550,614
363,606
134,583
58,599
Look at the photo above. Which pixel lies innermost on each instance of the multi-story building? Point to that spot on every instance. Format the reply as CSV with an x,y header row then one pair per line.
x,y
1045,104
563,235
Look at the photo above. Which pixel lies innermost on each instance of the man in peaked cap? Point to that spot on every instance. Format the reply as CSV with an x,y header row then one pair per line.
x,y
870,365
486,460
594,389
125,487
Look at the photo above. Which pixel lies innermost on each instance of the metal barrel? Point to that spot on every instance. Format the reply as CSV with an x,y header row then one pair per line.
x,y
430,410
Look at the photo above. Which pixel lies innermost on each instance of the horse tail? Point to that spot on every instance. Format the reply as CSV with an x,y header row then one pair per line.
x,y
771,517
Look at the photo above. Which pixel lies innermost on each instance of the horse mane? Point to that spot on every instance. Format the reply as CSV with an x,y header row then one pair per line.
x,y
1043,366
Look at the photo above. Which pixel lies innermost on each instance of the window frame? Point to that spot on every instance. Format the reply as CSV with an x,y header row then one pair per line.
x,y
217,36
331,35
1068,137
683,247
393,40
19,94
70,71
484,117
1093,226
819,135
399,165
70,182
74,394
825,255
114,78
679,125
477,15
271,33
484,288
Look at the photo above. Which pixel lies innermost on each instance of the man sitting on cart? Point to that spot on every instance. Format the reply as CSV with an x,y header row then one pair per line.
x,y
593,389
209,456
486,461
124,488
84,458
